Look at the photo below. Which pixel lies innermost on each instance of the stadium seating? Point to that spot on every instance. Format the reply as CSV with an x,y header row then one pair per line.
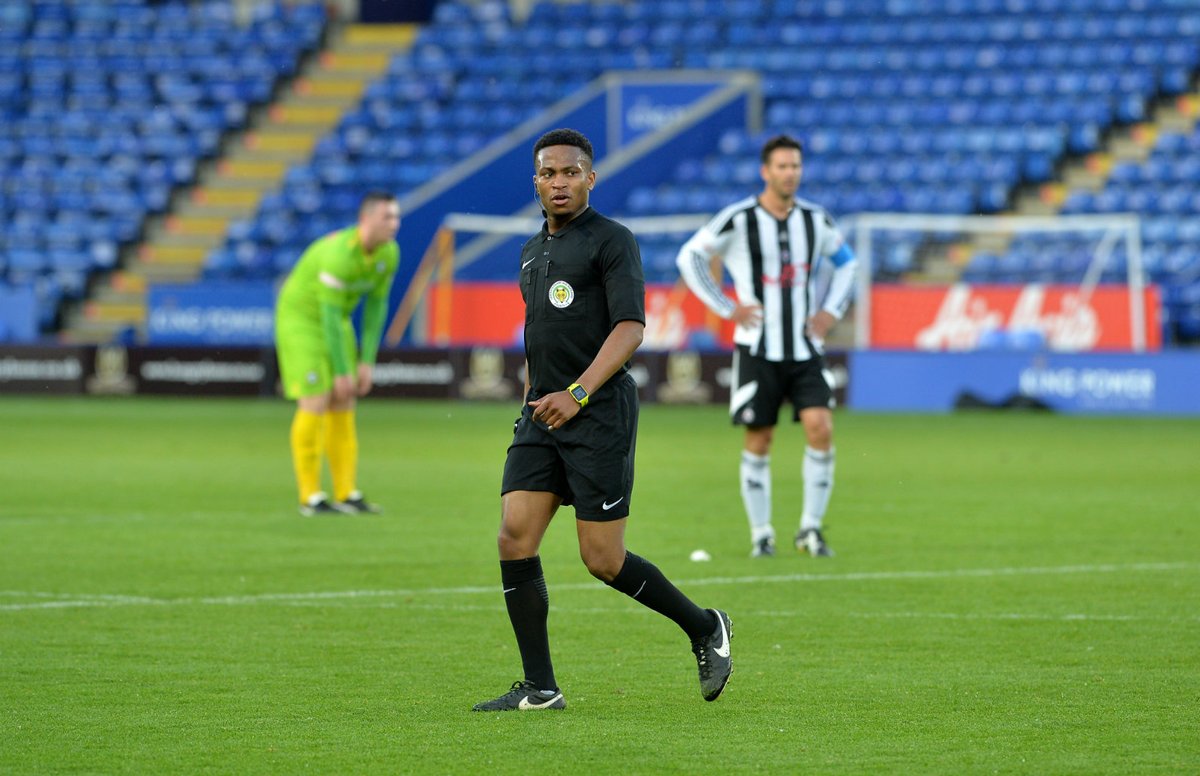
x,y
1165,191
945,106
106,107
904,105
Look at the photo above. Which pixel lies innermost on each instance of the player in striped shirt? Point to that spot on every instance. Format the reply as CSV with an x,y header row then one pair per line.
x,y
771,246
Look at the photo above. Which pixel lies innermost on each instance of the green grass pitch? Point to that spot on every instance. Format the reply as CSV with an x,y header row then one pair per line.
x,y
1011,594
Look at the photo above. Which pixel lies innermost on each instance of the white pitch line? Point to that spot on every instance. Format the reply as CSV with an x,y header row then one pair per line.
x,y
101,600
870,576
889,615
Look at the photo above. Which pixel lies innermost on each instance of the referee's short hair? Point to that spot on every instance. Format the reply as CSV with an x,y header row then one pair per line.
x,y
567,137
780,141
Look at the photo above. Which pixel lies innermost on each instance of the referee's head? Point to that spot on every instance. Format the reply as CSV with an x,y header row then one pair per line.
x,y
564,137
563,176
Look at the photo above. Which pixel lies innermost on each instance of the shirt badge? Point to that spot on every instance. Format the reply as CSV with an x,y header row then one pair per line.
x,y
561,294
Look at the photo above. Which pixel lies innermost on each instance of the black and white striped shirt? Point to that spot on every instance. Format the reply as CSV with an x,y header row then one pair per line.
x,y
772,263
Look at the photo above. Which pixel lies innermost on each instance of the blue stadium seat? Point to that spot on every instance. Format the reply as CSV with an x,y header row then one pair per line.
x,y
920,105
106,107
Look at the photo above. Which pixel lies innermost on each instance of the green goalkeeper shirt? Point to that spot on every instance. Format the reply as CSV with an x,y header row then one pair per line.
x,y
332,276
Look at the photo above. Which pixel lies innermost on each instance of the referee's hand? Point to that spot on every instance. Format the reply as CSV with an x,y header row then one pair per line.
x,y
555,409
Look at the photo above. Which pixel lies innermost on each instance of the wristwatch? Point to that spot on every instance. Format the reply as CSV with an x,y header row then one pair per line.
x,y
578,393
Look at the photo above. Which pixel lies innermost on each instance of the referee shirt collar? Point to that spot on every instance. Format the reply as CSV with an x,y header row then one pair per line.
x,y
588,213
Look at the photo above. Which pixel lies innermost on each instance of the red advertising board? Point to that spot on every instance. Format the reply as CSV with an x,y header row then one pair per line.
x,y
966,317
493,314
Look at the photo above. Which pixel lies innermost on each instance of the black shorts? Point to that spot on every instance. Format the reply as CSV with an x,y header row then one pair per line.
x,y
588,461
760,386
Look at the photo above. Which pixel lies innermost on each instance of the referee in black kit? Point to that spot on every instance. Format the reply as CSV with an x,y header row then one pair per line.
x,y
581,279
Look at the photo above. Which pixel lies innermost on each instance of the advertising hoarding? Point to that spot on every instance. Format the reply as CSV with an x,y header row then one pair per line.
x,y
964,317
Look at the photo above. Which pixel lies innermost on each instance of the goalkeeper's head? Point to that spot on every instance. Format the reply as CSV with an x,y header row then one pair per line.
x,y
378,219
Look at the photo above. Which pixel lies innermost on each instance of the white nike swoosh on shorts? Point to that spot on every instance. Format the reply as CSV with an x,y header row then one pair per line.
x,y
607,506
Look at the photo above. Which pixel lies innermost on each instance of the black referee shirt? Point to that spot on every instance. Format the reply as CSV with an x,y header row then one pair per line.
x,y
577,285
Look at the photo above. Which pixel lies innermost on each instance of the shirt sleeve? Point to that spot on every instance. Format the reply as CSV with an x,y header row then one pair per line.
x,y
845,264
695,261
624,282
333,272
833,238
333,298
375,309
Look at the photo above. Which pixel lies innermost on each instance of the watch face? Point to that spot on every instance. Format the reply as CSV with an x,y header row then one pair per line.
x,y
579,393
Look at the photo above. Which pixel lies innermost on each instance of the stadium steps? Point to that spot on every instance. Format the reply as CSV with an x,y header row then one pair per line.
x,y
255,162
1130,144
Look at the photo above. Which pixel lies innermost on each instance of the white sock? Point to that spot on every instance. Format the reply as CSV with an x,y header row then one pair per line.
x,y
818,485
756,494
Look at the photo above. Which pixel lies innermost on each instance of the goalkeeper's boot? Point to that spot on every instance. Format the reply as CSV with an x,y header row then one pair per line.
x,y
318,505
810,540
357,504
524,696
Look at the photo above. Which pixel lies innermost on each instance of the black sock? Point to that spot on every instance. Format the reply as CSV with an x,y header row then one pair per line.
x,y
643,582
528,606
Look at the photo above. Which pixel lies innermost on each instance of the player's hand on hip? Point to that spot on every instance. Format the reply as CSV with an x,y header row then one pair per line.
x,y
555,409
343,388
747,315
366,374
820,324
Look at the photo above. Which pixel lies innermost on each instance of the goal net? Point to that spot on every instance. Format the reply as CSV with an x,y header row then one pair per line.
x,y
960,283
464,292
926,282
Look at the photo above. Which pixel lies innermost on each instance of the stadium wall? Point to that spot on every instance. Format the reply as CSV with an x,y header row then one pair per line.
x,y
881,381
480,373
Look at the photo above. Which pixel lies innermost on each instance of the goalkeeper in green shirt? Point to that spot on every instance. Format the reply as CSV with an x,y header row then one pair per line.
x,y
319,363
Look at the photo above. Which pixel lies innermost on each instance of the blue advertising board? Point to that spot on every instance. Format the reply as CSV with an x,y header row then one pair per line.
x,y
1092,383
649,107
18,314
211,313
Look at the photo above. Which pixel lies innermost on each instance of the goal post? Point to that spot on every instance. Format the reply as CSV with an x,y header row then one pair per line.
x,y
955,241
472,240
935,251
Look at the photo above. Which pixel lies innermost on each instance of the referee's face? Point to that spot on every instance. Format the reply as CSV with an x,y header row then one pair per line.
x,y
781,173
563,178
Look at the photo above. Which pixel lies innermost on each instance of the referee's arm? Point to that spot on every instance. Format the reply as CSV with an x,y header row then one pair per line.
x,y
618,347
557,408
